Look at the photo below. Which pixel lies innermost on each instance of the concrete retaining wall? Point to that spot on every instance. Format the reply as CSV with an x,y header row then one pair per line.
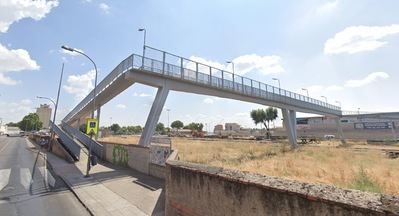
x,y
133,156
193,189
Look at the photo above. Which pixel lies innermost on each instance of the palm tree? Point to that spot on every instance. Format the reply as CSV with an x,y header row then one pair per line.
x,y
261,116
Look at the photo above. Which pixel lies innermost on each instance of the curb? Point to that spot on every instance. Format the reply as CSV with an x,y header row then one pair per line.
x,y
63,180
71,189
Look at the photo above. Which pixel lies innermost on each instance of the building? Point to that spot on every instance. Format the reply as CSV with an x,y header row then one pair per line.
x,y
232,127
218,128
355,126
44,113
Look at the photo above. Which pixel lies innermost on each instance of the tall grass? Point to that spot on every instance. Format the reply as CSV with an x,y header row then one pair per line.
x,y
366,170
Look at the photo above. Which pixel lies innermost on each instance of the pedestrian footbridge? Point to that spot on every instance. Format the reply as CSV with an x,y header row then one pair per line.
x,y
169,72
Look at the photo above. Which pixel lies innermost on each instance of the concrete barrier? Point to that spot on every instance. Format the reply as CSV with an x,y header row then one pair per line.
x,y
134,156
194,189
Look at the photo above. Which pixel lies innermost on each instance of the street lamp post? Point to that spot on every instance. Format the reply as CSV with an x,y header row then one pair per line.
x,y
325,98
145,35
358,111
168,110
307,91
52,129
94,100
233,68
279,87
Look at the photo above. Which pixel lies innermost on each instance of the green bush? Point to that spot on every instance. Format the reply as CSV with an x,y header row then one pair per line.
x,y
363,182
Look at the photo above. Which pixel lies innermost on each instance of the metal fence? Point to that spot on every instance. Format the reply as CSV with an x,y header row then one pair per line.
x,y
96,147
173,66
72,147
158,61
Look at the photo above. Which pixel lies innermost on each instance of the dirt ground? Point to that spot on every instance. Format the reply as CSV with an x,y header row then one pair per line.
x,y
358,166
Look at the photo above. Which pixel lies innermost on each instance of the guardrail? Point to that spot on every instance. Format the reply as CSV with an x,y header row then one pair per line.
x,y
96,147
177,67
72,147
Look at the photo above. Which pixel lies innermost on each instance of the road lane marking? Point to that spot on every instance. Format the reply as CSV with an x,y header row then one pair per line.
x,y
4,177
25,177
4,147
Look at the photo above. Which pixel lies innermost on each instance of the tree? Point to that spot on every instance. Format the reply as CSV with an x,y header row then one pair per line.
x,y
194,126
177,124
12,124
30,122
261,116
115,128
160,128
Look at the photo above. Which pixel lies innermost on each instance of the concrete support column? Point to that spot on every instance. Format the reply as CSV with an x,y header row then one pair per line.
x,y
289,121
293,122
98,120
340,133
153,117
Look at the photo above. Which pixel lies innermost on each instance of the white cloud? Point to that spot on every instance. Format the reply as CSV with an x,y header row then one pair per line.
x,y
264,64
327,7
14,10
208,101
356,39
16,60
243,114
13,61
372,77
121,106
141,94
80,85
242,64
367,80
7,80
104,7
334,88
14,111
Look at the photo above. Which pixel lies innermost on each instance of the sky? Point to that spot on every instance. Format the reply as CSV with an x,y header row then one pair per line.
x,y
343,50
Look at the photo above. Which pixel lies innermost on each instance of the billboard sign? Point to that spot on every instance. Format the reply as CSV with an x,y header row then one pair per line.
x,y
374,125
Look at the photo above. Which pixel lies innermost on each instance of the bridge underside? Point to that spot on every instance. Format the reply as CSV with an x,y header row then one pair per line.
x,y
165,85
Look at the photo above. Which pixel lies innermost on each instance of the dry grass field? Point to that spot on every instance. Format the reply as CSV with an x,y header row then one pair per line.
x,y
360,166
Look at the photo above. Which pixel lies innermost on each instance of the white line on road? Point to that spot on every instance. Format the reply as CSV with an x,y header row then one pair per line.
x,y
26,177
4,177
4,146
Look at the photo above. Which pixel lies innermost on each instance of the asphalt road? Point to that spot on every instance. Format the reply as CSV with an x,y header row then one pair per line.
x,y
28,187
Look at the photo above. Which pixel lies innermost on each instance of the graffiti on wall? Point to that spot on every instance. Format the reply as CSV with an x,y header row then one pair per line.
x,y
159,154
120,155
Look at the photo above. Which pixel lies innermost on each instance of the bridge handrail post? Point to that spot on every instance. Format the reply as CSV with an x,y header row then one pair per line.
x,y
163,62
252,93
260,90
181,68
222,80
234,85
210,76
196,71
242,83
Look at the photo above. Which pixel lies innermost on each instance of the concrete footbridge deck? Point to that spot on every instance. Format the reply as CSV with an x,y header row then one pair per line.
x,y
169,72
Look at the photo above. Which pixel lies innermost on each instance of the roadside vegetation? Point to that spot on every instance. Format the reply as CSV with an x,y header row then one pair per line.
x,y
359,166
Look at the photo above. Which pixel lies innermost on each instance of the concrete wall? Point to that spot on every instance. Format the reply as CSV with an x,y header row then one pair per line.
x,y
193,189
134,156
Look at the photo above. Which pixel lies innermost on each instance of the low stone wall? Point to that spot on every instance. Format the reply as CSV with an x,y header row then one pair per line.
x,y
134,156
194,189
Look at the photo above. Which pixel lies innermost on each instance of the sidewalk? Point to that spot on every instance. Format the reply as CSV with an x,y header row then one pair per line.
x,y
111,190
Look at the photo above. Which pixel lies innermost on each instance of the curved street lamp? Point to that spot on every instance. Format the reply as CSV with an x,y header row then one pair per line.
x,y
94,98
324,98
145,35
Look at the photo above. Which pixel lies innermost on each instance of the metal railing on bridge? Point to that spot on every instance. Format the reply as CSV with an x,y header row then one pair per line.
x,y
177,67
72,147
96,147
